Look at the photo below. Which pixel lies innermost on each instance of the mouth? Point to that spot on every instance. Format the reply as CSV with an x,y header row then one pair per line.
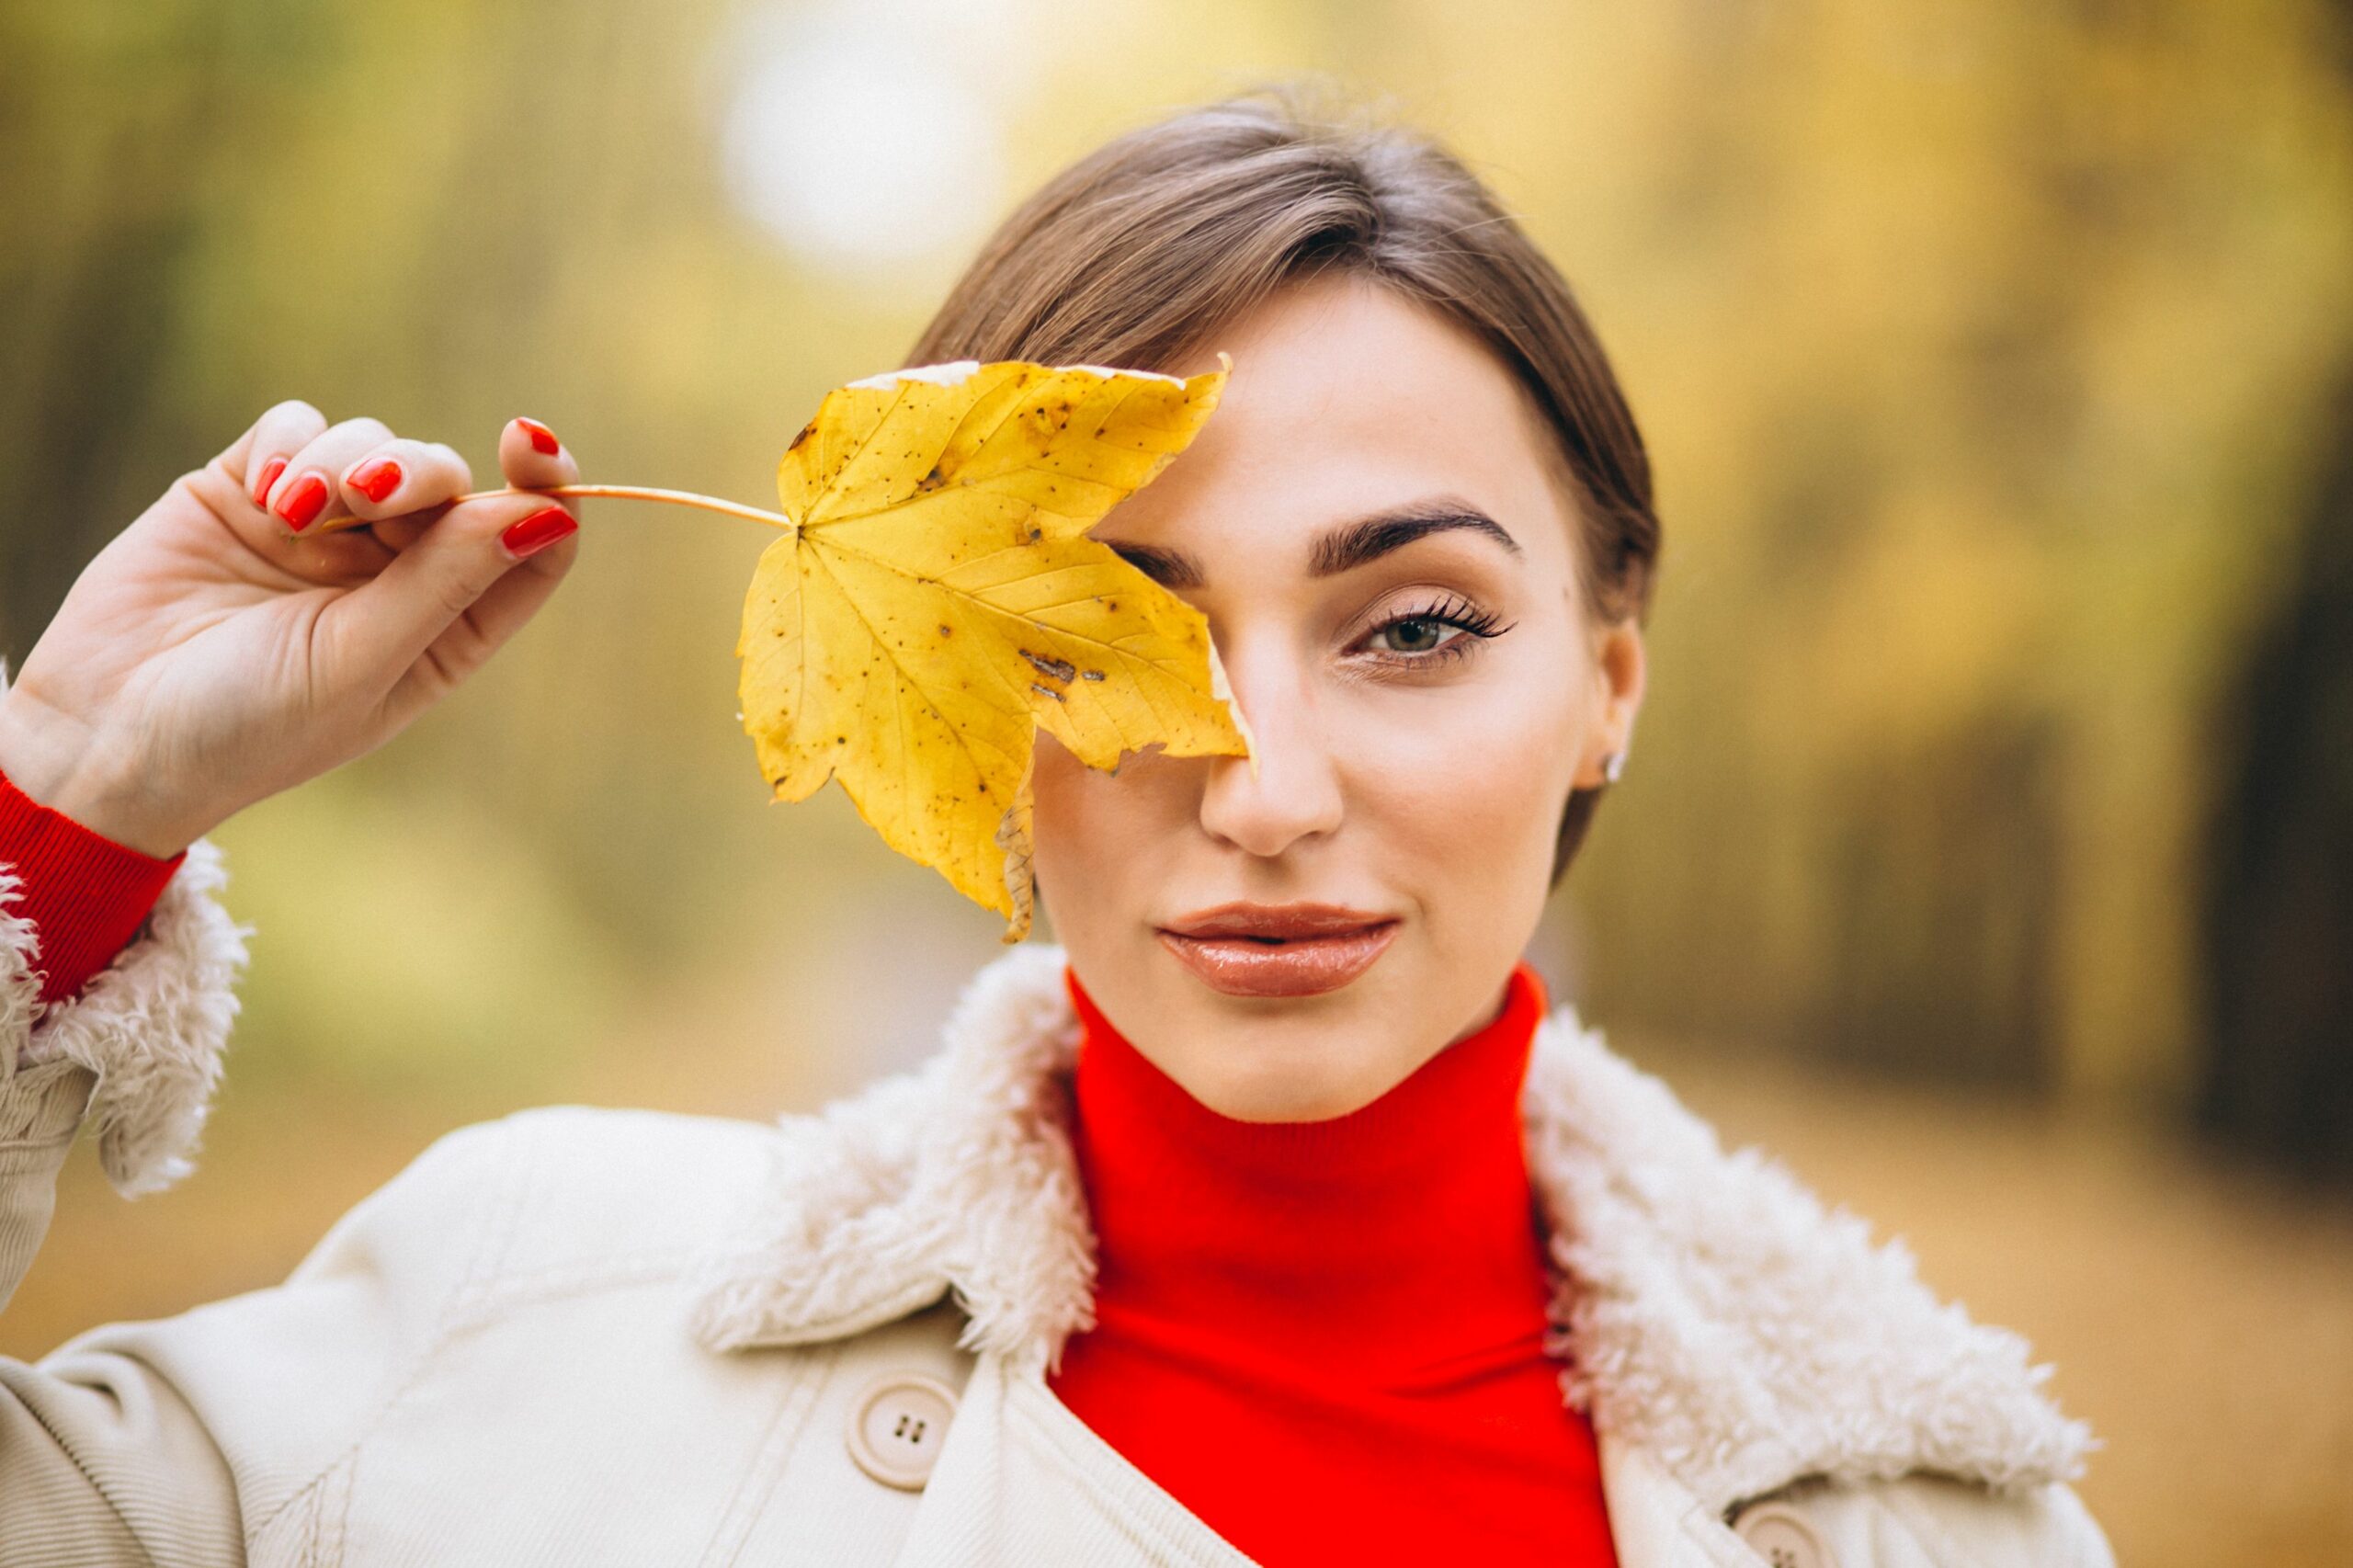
x,y
1278,950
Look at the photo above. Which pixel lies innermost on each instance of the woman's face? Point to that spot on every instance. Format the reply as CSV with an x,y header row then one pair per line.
x,y
1377,525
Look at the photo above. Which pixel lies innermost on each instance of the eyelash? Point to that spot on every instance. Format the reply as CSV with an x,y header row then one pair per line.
x,y
1477,625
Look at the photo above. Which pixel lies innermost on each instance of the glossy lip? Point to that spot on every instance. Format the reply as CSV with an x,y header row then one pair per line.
x,y
1281,921
1278,950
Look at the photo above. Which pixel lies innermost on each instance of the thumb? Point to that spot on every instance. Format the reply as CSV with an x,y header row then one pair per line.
x,y
388,623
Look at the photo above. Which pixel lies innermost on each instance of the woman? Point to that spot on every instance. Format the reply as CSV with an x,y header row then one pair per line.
x,y
1274,1217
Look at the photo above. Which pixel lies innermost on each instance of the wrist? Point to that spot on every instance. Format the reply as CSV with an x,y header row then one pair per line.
x,y
57,763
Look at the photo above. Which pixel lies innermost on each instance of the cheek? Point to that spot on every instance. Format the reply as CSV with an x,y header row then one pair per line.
x,y
1093,828
1471,780
1059,812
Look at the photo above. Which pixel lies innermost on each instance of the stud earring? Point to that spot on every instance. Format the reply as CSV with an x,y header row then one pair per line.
x,y
1613,766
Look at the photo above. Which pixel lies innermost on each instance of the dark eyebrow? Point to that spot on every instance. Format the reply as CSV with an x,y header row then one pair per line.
x,y
1344,549
1368,538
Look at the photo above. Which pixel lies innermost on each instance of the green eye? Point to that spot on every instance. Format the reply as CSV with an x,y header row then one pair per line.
x,y
1415,633
1431,633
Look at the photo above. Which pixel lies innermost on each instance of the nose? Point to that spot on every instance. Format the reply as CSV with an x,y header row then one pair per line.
x,y
1295,793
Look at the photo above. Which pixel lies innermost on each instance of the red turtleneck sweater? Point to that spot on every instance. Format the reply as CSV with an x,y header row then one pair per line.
x,y
1325,1338
83,894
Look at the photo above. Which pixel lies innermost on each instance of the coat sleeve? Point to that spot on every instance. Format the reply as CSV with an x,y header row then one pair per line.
x,y
221,1432
147,1032
135,1054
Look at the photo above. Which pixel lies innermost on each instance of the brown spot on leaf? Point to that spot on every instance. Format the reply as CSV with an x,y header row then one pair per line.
x,y
1061,670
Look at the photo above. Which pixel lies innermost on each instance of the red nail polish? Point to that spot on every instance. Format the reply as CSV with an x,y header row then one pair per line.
x,y
303,504
537,531
375,479
543,440
269,472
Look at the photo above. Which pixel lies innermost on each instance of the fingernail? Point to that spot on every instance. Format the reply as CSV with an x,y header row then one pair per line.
x,y
269,472
303,504
543,440
537,531
375,479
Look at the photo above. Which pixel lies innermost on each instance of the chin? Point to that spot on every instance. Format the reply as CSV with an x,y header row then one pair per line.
x,y
1260,1066
1276,1060
1281,1099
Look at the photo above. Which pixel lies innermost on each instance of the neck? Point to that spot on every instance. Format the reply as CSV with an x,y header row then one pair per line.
x,y
1395,1238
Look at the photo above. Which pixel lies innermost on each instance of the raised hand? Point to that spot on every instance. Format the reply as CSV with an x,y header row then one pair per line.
x,y
293,604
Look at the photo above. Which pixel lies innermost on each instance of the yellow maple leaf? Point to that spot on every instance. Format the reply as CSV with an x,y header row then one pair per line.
x,y
937,600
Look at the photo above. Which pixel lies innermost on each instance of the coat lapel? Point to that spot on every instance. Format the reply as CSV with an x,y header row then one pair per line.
x,y
957,1175
1715,1319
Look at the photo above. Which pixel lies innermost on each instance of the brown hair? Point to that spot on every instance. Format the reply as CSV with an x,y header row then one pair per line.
x,y
1136,252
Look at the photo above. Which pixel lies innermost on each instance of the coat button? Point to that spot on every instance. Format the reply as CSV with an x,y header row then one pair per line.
x,y
1774,1532
897,1426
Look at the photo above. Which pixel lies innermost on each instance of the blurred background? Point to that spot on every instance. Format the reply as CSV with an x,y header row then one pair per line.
x,y
1986,850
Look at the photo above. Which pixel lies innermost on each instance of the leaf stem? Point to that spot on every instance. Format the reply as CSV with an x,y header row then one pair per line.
x,y
644,492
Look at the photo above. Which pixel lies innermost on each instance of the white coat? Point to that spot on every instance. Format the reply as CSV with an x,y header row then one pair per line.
x,y
589,1336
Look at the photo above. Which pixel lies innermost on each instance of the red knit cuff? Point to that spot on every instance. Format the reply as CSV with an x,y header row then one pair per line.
x,y
84,894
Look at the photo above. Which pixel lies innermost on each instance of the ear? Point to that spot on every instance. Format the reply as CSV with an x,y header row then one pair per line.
x,y
1618,673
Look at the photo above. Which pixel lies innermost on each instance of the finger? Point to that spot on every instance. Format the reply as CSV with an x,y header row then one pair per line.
x,y
394,479
307,492
532,459
471,637
380,628
398,533
258,458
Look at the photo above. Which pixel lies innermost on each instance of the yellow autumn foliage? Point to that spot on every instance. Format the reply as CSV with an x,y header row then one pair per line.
x,y
938,601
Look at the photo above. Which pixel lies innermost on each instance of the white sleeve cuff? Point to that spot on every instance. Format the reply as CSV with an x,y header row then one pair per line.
x,y
152,1025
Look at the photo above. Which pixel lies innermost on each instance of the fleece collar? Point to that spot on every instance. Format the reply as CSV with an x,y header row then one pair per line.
x,y
1707,1308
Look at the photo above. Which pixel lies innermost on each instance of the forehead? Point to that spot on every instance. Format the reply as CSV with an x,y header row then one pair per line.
x,y
1348,399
